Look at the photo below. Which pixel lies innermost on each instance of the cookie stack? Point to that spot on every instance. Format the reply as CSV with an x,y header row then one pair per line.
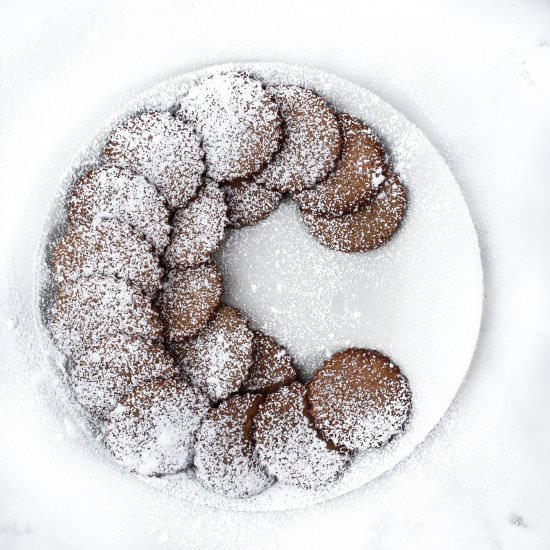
x,y
179,378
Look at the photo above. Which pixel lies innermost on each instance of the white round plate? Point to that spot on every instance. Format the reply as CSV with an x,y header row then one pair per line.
x,y
417,299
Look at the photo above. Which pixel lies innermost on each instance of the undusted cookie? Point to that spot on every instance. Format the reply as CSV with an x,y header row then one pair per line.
x,y
248,203
164,148
152,430
91,308
359,172
189,298
219,357
311,144
105,372
359,399
288,445
198,228
239,123
368,228
272,367
114,192
106,247
225,459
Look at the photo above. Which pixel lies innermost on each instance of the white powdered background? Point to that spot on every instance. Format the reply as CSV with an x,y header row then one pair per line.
x,y
475,78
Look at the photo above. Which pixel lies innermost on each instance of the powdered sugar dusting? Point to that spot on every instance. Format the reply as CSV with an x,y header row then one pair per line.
x,y
89,309
219,358
248,203
359,399
198,228
107,247
152,430
239,123
312,141
106,371
226,461
289,447
165,149
111,191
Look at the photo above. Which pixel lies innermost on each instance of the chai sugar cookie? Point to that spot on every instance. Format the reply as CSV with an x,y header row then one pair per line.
x,y
311,143
219,357
272,366
359,172
106,371
189,298
248,203
239,123
226,461
288,445
115,192
91,308
164,148
198,228
152,430
106,247
369,227
359,399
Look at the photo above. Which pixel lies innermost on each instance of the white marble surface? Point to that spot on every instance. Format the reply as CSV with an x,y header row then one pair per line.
x,y
475,77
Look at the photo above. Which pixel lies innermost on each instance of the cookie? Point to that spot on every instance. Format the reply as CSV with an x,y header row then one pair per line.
x,y
114,192
152,430
248,203
369,227
359,172
225,459
311,142
219,357
165,149
105,372
189,298
239,123
359,399
288,445
272,366
94,307
106,247
198,228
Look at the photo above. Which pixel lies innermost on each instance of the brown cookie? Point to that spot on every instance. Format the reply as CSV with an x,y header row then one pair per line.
x,y
272,367
198,228
107,247
248,203
359,172
225,459
359,399
91,308
367,228
152,430
219,357
288,445
105,372
114,192
239,123
189,298
311,142
165,149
